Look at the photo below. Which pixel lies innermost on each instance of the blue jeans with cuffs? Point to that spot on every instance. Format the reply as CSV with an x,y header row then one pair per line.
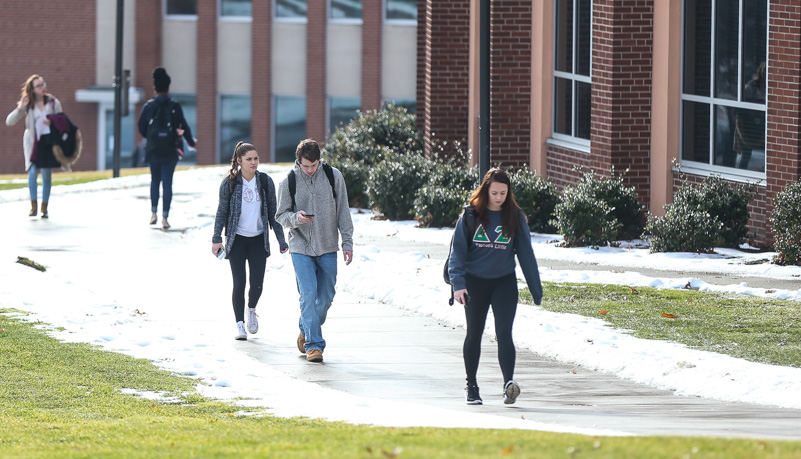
x,y
316,278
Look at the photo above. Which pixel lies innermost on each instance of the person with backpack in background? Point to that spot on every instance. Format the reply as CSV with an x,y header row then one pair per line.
x,y
313,205
246,210
482,272
162,124
34,105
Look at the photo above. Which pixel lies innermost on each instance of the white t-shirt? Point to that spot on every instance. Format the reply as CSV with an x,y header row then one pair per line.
x,y
250,223
40,116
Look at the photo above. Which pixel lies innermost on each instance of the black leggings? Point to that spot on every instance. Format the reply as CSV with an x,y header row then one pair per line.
x,y
502,295
252,250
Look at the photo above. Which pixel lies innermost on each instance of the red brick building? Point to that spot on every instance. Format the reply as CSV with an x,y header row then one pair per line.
x,y
711,86
270,72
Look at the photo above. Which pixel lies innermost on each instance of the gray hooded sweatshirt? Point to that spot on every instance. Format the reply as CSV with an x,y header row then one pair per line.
x,y
331,218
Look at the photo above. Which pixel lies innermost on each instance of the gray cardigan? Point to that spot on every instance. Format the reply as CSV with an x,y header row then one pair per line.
x,y
230,207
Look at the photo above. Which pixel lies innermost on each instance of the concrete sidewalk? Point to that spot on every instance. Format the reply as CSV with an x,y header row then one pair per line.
x,y
376,350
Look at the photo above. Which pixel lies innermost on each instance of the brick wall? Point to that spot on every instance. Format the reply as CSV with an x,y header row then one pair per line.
x,y
372,22
207,84
784,96
621,90
148,50
64,56
510,88
315,71
261,79
443,70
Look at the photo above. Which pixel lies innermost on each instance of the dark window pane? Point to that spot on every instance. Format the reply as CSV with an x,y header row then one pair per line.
x,y
749,139
697,46
346,9
402,9
755,33
583,110
563,106
189,106
182,7
290,126
724,135
584,30
564,36
343,109
290,8
234,125
236,8
727,47
126,141
695,132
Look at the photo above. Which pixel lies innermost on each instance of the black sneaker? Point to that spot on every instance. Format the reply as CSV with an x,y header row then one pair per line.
x,y
510,392
472,396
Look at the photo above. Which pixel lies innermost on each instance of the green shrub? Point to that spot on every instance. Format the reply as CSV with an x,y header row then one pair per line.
x,y
684,228
584,220
727,202
393,184
374,133
368,140
439,206
537,197
786,218
620,217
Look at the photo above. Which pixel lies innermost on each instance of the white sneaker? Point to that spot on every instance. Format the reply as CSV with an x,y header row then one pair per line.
x,y
240,331
510,392
253,322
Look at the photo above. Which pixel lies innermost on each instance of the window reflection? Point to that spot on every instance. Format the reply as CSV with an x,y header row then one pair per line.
x,y
341,111
182,7
290,8
290,126
346,9
235,8
234,124
402,10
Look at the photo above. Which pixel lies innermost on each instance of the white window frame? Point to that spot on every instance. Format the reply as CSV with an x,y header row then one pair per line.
x,y
570,141
176,17
343,20
303,20
404,22
707,169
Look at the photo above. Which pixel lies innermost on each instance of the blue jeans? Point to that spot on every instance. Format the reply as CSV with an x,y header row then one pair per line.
x,y
161,171
47,177
316,278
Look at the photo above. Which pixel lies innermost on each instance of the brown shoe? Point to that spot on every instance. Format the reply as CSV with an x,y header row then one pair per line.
x,y
314,355
33,209
44,210
302,343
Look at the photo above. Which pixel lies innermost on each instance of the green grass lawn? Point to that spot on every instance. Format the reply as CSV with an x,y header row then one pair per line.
x,y
742,326
10,182
64,399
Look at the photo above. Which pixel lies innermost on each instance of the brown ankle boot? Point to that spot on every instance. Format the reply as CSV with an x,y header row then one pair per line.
x,y
33,208
44,210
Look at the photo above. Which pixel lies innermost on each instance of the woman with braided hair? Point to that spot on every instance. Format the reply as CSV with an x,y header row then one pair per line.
x,y
247,211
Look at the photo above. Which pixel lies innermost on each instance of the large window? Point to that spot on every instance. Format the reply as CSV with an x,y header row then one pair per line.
x,y
346,9
341,110
290,126
181,7
234,124
724,82
572,80
401,10
285,9
189,107
236,8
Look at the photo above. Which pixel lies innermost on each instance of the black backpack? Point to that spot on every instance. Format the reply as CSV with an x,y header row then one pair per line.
x,y
161,134
329,172
469,221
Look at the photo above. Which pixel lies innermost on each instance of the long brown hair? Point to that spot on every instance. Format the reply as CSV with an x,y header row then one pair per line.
x,y
28,90
510,211
240,150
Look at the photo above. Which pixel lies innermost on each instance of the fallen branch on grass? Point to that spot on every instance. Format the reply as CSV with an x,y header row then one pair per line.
x,y
31,263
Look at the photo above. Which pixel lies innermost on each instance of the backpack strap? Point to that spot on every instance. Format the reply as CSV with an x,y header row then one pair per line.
x,y
329,172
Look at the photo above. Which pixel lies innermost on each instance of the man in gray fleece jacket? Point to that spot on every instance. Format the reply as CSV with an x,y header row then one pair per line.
x,y
316,218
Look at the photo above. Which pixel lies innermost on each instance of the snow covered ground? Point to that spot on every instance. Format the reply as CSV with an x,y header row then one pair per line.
x,y
114,282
